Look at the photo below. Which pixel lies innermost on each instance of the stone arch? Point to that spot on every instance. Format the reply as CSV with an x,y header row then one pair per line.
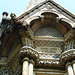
x,y
68,21
52,17
29,20
50,11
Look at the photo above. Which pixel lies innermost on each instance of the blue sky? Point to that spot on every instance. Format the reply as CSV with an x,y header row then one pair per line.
x,y
18,6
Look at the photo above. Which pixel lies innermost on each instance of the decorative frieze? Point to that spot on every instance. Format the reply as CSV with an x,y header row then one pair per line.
x,y
48,43
51,50
48,56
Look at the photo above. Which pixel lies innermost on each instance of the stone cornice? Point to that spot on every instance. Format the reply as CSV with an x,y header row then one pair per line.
x,y
49,70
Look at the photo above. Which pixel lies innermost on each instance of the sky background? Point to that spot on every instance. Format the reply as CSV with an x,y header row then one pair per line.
x,y
18,6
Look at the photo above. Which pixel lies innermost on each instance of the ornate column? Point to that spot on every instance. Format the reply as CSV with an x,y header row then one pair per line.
x,y
31,65
28,56
25,66
70,70
74,66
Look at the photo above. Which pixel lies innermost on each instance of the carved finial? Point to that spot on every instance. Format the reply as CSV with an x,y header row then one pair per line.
x,y
5,14
12,15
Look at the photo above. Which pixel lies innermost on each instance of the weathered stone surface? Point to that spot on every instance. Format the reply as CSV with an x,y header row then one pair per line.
x,y
45,34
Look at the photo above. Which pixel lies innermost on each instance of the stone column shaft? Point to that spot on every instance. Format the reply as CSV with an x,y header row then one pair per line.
x,y
25,68
70,70
74,68
31,69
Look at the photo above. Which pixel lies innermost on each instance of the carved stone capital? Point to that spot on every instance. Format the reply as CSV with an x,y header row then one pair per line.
x,y
29,52
31,61
67,56
25,59
67,64
73,61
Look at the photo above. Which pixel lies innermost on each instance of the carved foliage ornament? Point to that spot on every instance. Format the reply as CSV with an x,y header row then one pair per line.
x,y
67,56
28,52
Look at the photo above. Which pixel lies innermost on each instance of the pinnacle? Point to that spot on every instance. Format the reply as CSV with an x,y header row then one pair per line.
x,y
33,3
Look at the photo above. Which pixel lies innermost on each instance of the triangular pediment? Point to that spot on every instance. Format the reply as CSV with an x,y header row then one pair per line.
x,y
46,6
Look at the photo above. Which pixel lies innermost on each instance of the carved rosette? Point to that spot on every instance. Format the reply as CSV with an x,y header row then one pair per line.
x,y
67,56
29,52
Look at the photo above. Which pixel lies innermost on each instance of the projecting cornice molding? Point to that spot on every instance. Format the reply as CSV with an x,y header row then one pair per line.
x,y
32,54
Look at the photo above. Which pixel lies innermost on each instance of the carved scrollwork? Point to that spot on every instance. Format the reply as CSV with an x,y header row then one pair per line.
x,y
67,56
28,52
